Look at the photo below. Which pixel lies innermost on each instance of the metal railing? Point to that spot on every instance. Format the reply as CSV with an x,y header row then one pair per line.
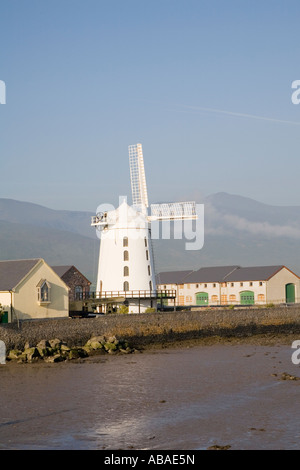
x,y
129,294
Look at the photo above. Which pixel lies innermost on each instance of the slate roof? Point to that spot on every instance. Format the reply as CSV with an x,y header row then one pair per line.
x,y
12,272
253,273
172,277
210,274
220,274
61,270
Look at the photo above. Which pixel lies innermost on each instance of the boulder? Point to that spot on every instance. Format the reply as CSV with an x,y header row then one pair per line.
x,y
77,353
44,351
14,354
111,339
95,345
32,354
22,357
55,343
43,344
55,358
109,346
99,339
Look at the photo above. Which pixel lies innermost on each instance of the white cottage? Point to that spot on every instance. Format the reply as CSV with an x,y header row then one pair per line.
x,y
31,289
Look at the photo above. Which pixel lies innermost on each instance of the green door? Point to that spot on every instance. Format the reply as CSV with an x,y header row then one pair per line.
x,y
247,297
4,318
202,298
290,293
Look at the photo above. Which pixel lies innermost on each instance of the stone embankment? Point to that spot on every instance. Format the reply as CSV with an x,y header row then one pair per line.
x,y
146,329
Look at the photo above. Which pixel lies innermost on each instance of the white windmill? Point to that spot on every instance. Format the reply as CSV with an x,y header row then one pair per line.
x,y
126,264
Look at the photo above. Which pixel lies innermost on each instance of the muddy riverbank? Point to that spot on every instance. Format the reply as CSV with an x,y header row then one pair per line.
x,y
191,395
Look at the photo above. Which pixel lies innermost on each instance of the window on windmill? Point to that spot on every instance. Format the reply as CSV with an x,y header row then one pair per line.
x,y
149,272
126,255
147,254
145,239
126,286
126,271
125,241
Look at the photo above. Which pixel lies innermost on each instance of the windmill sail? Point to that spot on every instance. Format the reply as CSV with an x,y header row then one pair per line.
x,y
137,176
173,211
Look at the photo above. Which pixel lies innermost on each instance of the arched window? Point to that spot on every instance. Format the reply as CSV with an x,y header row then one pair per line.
x,y
78,292
126,255
126,271
150,285
126,286
43,291
125,241
147,255
149,271
145,239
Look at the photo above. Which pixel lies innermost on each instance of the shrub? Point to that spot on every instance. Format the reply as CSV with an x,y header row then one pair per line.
x,y
150,310
122,309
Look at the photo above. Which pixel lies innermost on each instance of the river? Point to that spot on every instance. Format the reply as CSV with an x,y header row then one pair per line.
x,y
175,398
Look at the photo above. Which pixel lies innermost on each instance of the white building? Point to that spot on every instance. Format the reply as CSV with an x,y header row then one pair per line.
x,y
31,289
126,260
234,285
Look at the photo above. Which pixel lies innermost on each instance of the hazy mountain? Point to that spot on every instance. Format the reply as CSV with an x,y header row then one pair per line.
x,y
34,214
237,230
57,247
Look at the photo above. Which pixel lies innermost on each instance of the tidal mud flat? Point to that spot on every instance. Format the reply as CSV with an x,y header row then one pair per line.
x,y
196,394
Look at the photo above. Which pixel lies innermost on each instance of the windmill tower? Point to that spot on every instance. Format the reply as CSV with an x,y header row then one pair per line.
x,y
126,264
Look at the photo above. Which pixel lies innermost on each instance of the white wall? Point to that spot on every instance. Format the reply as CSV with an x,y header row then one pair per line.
x,y
276,286
111,258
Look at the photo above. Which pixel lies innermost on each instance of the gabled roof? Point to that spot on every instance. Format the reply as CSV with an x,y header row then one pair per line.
x,y
172,277
62,270
12,272
253,273
210,274
220,274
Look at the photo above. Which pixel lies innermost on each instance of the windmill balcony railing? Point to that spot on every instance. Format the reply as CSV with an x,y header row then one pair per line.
x,y
128,294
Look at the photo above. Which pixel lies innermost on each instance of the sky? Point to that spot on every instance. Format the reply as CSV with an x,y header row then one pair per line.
x,y
204,85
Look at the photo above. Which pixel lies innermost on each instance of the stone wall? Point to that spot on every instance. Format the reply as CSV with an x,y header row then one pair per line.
x,y
74,278
148,328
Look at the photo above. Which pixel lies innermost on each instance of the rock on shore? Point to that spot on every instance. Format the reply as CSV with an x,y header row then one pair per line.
x,y
56,350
